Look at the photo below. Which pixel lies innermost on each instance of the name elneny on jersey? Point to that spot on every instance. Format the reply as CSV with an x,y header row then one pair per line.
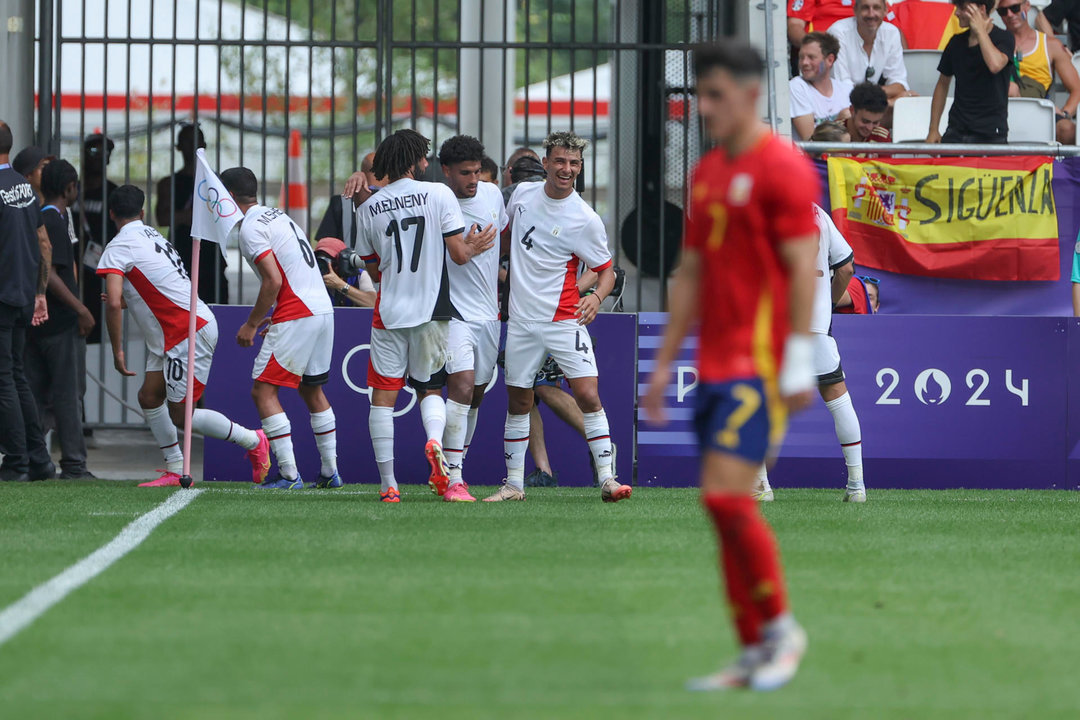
x,y
19,196
402,202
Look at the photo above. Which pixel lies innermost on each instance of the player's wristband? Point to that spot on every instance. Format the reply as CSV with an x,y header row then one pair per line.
x,y
797,368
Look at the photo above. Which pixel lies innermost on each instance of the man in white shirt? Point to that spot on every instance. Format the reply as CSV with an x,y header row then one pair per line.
x,y
474,292
143,273
552,233
299,340
405,232
871,50
815,96
835,268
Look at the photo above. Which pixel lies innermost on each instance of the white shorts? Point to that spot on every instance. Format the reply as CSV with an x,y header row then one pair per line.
x,y
174,364
473,346
529,343
418,352
827,360
296,351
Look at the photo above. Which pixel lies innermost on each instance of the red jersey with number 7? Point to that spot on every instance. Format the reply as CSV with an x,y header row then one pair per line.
x,y
270,232
741,209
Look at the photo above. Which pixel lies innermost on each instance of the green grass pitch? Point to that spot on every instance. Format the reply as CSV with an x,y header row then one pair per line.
x,y
328,604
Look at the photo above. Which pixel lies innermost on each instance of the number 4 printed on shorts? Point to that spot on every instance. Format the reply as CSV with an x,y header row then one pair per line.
x,y
582,347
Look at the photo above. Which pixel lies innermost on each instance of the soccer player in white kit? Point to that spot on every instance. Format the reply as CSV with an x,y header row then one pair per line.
x,y
143,273
552,232
835,266
299,341
405,232
474,293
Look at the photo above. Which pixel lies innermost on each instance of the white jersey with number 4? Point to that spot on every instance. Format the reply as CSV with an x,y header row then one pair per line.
x,y
833,251
270,231
403,227
550,240
157,289
474,286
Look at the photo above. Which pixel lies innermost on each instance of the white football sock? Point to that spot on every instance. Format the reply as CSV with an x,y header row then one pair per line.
x,y
433,415
763,479
164,432
453,441
279,432
213,424
381,430
599,438
324,425
515,445
849,434
473,414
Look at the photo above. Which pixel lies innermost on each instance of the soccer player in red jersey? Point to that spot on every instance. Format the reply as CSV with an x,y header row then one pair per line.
x,y
748,259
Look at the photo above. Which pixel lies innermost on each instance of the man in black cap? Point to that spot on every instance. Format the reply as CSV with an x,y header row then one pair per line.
x,y
29,163
523,166
24,271
175,195
95,229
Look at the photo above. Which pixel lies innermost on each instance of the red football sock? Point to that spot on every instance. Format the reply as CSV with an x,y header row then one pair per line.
x,y
753,549
736,581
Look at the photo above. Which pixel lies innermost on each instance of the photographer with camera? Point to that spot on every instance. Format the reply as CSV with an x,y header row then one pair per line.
x,y
344,275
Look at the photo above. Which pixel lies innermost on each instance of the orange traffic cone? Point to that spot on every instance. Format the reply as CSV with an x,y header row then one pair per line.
x,y
294,190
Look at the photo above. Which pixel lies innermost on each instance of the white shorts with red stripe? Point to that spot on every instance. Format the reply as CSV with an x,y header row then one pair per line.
x,y
529,343
418,352
296,351
474,346
174,363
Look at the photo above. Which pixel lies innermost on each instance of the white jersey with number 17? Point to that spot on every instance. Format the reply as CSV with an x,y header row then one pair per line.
x,y
265,231
403,227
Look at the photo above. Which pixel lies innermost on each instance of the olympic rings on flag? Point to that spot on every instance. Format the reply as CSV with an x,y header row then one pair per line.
x,y
219,207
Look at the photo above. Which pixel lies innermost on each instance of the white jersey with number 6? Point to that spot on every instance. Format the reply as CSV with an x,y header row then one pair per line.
x,y
157,289
265,230
474,286
833,251
550,240
403,227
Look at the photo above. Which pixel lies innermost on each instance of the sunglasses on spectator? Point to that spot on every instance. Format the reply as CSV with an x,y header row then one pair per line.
x,y
871,280
869,73
1006,10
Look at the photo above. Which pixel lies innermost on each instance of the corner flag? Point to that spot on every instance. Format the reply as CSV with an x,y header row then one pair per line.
x,y
213,215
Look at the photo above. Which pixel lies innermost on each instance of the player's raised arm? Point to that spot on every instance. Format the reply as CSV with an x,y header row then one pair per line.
x,y
268,292
464,247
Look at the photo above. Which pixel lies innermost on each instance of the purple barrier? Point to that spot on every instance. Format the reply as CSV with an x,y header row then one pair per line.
x,y
944,402
230,386
913,295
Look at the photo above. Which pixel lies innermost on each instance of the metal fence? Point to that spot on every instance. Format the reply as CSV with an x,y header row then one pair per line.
x,y
345,73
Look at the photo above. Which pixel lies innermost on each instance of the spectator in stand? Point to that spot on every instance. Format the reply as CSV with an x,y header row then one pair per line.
x,y
861,297
805,16
1057,11
815,96
29,163
489,170
869,104
52,347
831,131
871,50
1038,57
980,58
175,195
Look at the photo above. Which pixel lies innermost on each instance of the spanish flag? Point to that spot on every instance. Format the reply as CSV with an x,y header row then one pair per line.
x,y
963,218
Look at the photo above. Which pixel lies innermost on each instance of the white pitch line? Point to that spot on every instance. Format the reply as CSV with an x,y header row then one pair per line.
x,y
20,614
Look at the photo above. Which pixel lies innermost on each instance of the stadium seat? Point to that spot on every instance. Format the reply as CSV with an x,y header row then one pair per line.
x,y
922,70
1031,120
911,118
